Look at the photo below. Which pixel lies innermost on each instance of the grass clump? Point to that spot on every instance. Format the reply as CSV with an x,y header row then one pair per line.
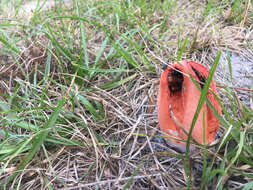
x,y
78,91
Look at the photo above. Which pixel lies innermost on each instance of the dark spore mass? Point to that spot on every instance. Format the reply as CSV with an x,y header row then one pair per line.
x,y
201,78
175,80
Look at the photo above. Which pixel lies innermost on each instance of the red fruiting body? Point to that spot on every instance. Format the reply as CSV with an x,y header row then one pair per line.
x,y
179,95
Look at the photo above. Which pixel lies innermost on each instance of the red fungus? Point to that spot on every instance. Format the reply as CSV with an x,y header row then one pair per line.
x,y
178,99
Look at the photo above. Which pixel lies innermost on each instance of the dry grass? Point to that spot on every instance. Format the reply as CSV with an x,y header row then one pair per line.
x,y
120,147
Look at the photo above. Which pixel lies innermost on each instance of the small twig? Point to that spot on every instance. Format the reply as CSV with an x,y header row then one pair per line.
x,y
251,98
239,105
112,181
245,13
4,70
234,87
176,120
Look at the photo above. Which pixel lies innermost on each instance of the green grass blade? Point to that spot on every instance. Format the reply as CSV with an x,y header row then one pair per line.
x,y
96,70
200,104
101,50
48,63
83,36
204,171
121,40
248,186
229,64
125,54
20,149
39,139
214,172
100,108
89,107
180,53
238,152
128,183
62,50
118,83
8,44
207,9
87,171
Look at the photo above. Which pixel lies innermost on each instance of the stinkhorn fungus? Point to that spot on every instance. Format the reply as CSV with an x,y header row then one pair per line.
x,y
178,99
